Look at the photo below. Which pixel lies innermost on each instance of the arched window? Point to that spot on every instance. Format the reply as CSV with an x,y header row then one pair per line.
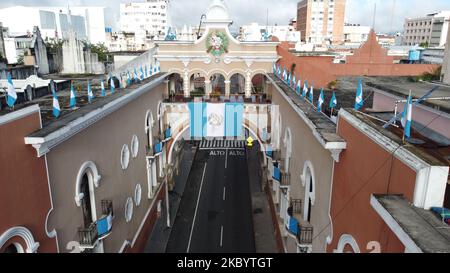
x,y
347,244
288,146
308,181
217,84
15,247
237,84
149,123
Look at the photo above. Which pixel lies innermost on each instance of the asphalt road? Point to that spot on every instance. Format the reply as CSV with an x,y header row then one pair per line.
x,y
215,214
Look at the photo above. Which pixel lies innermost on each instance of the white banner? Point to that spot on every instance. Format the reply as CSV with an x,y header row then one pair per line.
x,y
215,123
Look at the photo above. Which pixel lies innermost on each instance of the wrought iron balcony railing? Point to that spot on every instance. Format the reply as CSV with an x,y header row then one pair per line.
x,y
88,237
296,205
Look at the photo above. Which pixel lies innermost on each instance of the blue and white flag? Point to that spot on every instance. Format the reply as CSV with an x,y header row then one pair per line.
x,y
289,79
284,75
150,72
142,73
320,101
279,72
11,95
136,78
311,93
359,102
274,68
216,119
294,80
305,89
56,108
146,72
299,87
90,93
158,67
407,117
333,101
103,89
128,78
112,84
73,97
155,69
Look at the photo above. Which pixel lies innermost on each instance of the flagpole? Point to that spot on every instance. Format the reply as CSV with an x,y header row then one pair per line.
x,y
407,114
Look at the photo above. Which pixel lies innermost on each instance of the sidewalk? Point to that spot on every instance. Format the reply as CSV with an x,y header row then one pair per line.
x,y
265,240
160,235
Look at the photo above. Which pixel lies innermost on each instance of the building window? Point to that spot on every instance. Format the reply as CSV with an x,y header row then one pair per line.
x,y
125,157
129,209
138,195
134,146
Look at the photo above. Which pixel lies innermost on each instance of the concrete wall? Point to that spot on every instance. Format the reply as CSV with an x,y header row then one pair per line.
x,y
305,147
446,65
24,195
102,143
366,168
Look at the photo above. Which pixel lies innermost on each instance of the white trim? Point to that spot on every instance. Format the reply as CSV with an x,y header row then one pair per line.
x,y
18,114
22,232
134,145
125,157
394,226
308,173
53,233
129,206
44,144
138,195
94,177
347,239
124,245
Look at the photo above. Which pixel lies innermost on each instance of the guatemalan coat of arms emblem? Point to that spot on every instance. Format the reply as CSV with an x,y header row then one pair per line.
x,y
217,43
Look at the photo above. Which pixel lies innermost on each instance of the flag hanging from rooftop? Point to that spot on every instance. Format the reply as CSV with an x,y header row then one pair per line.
x,y
112,84
142,73
294,80
305,89
333,101
299,87
56,108
146,72
128,78
359,102
320,101
311,93
73,97
90,93
274,68
103,88
135,74
11,95
407,117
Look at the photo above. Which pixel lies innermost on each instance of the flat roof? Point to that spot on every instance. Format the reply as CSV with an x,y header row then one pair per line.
x,y
323,124
424,227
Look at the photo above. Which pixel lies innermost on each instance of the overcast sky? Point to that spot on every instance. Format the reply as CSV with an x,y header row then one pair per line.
x,y
280,11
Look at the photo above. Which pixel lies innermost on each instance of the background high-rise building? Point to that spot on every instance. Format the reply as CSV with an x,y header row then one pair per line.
x,y
321,21
430,30
150,17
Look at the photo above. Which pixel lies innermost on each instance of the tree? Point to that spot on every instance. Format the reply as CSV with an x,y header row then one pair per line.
x,y
424,45
54,45
20,60
100,49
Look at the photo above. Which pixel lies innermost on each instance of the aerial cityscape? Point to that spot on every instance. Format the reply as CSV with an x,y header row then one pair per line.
x,y
267,127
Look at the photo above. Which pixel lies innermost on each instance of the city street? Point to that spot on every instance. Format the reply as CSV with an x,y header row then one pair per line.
x,y
215,213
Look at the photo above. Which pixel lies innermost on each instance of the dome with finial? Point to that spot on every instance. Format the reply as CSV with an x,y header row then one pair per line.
x,y
217,11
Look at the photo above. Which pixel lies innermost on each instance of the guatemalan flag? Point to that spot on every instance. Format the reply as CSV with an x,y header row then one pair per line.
x,y
73,97
56,108
333,101
279,72
155,69
294,80
407,117
216,119
284,75
305,89
90,93
311,93
299,87
128,78
11,95
146,72
151,70
274,68
320,101
112,84
103,89
289,79
359,103
142,73
135,75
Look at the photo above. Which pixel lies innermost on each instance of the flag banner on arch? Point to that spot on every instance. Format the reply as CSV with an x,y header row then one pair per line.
x,y
215,119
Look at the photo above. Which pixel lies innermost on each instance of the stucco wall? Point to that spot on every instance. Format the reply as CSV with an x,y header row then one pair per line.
x,y
366,168
102,143
305,147
24,194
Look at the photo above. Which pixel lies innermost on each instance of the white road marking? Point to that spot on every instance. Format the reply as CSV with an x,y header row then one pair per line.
x,y
226,159
224,190
196,208
221,236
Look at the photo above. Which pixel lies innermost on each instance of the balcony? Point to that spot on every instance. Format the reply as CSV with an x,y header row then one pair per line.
x,y
220,98
155,150
89,237
285,179
303,232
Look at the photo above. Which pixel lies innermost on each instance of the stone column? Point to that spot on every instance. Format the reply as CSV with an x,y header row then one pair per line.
x,y
227,89
208,88
248,85
186,84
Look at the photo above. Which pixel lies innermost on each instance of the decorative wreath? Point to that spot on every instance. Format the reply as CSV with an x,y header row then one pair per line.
x,y
217,43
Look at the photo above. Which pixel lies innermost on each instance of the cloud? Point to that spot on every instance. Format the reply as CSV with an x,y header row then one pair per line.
x,y
388,16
